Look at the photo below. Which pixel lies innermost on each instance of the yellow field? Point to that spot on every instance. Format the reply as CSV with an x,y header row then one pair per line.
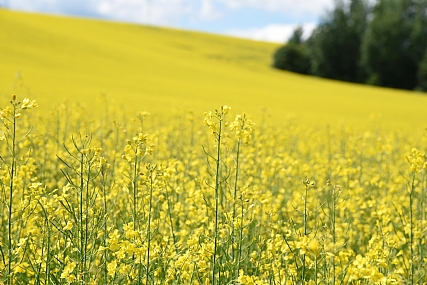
x,y
320,183
156,69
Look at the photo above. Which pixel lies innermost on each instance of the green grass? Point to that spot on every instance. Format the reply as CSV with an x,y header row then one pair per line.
x,y
159,69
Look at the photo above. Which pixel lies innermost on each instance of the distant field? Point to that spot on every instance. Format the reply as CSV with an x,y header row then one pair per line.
x,y
157,69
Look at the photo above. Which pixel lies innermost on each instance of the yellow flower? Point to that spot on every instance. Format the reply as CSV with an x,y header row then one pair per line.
x,y
148,150
313,246
5,112
124,268
27,104
225,109
19,269
130,232
245,279
111,268
68,226
417,160
69,268
114,240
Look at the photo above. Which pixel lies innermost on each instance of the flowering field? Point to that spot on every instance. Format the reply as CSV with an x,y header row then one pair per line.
x,y
213,198
55,59
320,182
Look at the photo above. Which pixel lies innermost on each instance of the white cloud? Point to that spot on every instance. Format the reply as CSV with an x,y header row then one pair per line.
x,y
278,33
192,13
292,8
156,12
208,11
165,12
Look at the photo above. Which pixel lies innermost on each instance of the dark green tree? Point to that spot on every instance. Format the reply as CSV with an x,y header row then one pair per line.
x,y
293,56
422,73
419,39
395,42
335,44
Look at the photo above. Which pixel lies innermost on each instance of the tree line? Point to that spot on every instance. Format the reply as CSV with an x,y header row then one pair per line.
x,y
383,44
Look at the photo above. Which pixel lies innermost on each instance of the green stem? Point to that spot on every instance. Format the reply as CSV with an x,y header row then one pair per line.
x,y
104,255
135,193
149,225
136,168
239,253
305,231
48,251
234,208
86,234
82,245
333,233
411,236
11,186
217,182
170,219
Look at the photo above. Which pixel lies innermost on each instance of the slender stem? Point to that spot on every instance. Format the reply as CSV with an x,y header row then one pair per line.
x,y
234,206
235,182
48,251
88,163
333,232
411,236
217,182
422,218
136,168
82,245
239,253
104,194
149,225
11,186
305,210
305,230
135,193
170,219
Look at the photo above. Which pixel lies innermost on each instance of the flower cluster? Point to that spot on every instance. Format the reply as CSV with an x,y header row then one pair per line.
x,y
417,160
104,208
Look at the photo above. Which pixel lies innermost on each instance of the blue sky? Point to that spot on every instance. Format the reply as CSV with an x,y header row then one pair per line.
x,y
267,20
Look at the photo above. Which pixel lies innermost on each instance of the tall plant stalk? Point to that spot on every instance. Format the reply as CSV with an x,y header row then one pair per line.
x,y
150,205
411,228
9,118
103,166
243,128
11,188
81,177
217,185
217,129
134,154
307,184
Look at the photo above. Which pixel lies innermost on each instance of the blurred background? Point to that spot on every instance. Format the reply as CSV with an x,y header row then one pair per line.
x,y
266,20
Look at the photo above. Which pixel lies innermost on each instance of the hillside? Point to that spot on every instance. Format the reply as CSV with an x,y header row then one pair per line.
x,y
157,69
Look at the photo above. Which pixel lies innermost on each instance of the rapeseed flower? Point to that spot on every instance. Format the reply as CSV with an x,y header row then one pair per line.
x,y
417,160
67,272
355,230
28,104
112,268
68,226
